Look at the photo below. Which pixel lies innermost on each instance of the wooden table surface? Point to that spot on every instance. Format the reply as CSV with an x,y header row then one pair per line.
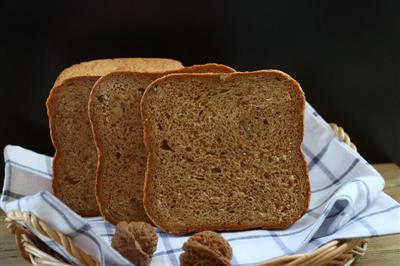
x,y
384,251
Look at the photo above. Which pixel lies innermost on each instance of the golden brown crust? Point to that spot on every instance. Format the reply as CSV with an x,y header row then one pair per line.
x,y
100,67
209,67
150,153
100,145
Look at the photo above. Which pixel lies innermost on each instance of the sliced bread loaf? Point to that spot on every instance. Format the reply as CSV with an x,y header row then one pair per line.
x,y
224,151
117,128
75,160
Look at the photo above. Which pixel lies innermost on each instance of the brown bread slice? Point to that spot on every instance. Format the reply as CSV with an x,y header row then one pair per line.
x,y
117,127
224,151
75,159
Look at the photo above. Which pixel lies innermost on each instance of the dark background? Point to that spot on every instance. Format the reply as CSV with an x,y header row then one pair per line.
x,y
345,54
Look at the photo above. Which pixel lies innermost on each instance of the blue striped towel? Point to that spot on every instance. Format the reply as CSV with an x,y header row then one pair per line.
x,y
347,202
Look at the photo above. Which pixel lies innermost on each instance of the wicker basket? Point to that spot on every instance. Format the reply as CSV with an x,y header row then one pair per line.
x,y
31,248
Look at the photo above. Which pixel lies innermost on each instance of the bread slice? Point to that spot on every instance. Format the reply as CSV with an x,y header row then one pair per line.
x,y
117,127
224,151
75,160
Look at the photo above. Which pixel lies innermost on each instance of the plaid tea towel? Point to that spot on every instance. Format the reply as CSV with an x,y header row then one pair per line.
x,y
347,202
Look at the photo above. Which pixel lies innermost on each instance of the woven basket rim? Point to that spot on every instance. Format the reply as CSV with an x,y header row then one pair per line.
x,y
335,252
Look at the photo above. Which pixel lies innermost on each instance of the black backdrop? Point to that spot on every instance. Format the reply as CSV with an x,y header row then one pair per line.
x,y
345,54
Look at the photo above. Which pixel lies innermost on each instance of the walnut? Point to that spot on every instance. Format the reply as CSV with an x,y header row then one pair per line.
x,y
136,241
206,248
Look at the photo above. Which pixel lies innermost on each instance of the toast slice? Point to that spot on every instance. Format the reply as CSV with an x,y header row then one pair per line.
x,y
224,151
75,160
117,128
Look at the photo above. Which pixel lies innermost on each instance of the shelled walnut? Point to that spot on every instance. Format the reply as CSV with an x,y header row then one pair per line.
x,y
136,241
206,248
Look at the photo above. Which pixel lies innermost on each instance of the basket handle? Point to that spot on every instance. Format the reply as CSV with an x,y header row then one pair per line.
x,y
340,134
30,251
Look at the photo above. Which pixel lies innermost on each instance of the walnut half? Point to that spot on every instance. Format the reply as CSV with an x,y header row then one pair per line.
x,y
136,241
206,248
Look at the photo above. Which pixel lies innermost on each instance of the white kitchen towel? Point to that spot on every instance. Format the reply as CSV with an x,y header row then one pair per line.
x,y
347,202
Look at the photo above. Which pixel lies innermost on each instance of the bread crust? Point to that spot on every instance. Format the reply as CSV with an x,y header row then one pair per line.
x,y
144,105
95,67
100,145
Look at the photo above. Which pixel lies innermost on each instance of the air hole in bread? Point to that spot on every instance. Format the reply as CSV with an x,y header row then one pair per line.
x,y
200,178
71,180
118,155
215,170
165,146
204,103
100,98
